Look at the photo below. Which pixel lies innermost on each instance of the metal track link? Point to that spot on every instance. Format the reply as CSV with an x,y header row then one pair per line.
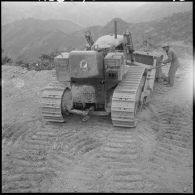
x,y
126,96
51,101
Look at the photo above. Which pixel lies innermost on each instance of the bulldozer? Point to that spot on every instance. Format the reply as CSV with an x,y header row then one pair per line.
x,y
108,78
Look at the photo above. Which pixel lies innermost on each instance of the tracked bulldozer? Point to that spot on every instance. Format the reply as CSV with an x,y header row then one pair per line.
x,y
108,78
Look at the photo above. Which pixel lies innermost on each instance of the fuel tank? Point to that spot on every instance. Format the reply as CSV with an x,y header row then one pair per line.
x,y
86,64
62,67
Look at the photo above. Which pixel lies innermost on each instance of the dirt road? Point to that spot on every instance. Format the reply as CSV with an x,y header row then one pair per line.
x,y
94,156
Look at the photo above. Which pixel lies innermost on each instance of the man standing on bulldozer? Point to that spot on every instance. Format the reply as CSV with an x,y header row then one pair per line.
x,y
172,58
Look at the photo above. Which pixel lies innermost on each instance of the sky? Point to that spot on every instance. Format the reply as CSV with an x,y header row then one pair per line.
x,y
87,13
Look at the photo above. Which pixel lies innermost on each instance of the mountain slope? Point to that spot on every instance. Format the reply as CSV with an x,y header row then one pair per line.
x,y
92,13
32,24
177,27
87,14
47,43
30,37
157,10
28,40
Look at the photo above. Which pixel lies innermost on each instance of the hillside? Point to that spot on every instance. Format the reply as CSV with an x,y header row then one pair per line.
x,y
89,14
157,10
28,39
86,14
176,28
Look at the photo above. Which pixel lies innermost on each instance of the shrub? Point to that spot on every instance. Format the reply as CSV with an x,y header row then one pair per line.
x,y
5,59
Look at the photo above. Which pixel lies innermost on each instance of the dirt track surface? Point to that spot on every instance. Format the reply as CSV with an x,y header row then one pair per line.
x,y
94,156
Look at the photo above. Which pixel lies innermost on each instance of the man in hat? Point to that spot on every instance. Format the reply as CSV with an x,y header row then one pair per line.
x,y
172,58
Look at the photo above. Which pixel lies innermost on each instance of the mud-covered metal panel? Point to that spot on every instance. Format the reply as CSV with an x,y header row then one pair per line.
x,y
86,64
89,92
144,58
62,67
83,94
113,63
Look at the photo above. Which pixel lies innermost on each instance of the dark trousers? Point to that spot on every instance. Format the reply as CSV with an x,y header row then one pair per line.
x,y
171,74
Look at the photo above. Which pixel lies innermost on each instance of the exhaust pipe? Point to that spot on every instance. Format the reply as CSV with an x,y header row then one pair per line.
x,y
115,29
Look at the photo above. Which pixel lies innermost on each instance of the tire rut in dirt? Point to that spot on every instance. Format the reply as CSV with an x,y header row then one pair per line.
x,y
125,157
174,133
172,124
79,172
85,175
27,167
17,131
43,155
120,155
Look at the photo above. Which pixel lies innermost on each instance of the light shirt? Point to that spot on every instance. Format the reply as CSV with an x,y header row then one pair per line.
x,y
172,57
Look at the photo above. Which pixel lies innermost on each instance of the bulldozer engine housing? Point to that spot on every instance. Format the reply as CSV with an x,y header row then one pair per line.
x,y
86,64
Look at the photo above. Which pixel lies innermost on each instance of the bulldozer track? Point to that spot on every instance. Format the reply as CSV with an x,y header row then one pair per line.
x,y
126,96
51,101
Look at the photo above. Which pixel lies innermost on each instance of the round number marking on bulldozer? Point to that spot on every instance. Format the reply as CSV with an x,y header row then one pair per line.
x,y
83,65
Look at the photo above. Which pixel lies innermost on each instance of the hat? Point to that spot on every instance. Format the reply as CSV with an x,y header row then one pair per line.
x,y
165,45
